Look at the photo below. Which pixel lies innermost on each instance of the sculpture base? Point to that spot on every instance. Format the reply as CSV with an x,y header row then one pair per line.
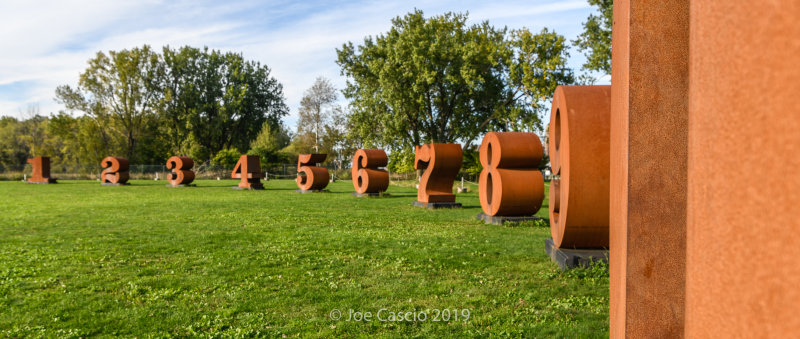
x,y
256,188
114,184
181,185
568,258
51,181
370,195
500,220
310,191
437,205
462,190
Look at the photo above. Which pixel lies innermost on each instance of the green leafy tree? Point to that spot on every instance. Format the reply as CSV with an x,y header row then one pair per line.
x,y
439,80
120,87
227,157
595,41
269,145
317,107
218,100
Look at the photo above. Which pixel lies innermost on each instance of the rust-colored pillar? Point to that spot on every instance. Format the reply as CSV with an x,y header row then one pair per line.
x,y
648,158
743,239
248,170
40,171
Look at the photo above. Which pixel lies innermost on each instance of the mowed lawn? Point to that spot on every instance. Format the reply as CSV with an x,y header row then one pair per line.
x,y
79,259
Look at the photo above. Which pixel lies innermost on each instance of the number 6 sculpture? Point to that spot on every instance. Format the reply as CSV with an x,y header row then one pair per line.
x,y
367,178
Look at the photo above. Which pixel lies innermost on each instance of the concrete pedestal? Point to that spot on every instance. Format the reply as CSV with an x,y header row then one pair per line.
x,y
114,184
248,188
500,220
569,258
370,195
437,205
309,191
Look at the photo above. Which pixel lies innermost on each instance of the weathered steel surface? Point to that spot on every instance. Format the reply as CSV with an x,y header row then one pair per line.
x,y
579,154
649,123
441,163
115,170
367,177
41,171
181,167
510,183
743,229
311,177
248,169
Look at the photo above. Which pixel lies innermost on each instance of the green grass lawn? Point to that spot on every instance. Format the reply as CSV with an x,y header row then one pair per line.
x,y
79,259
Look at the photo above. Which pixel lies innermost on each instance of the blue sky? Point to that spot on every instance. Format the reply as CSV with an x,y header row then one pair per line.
x,y
47,43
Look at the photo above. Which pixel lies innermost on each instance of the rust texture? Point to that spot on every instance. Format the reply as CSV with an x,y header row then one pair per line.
x,y
367,177
579,154
648,160
248,169
510,183
440,163
115,170
743,239
41,171
181,167
311,177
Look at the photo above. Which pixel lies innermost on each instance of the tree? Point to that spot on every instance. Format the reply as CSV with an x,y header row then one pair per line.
x,y
269,144
120,86
595,41
439,80
316,109
218,100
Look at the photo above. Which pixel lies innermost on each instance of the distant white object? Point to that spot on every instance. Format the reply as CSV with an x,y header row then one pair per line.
x,y
462,189
547,173
156,176
24,177
217,178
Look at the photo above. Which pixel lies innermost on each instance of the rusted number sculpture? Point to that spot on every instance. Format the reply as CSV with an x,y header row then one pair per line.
x,y
440,163
579,154
311,177
41,171
367,178
182,173
115,171
248,169
511,183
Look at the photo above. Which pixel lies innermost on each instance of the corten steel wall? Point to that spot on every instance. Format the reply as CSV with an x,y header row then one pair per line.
x,y
649,118
743,240
579,146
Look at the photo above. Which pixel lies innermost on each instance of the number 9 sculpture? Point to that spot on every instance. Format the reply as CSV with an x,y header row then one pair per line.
x,y
579,153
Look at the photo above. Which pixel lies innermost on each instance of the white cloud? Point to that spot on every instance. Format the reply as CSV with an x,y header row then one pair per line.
x,y
46,44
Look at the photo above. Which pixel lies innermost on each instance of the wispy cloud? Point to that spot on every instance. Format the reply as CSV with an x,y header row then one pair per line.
x,y
47,43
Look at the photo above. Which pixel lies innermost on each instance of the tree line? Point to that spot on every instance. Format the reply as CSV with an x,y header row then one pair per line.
x,y
428,79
